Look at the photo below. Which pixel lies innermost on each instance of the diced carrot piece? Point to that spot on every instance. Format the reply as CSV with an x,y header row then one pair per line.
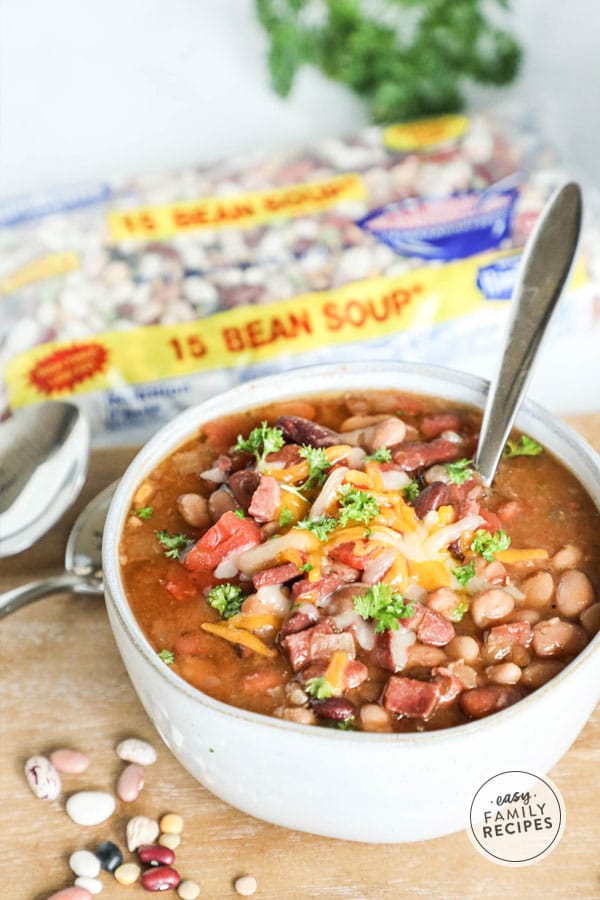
x,y
514,556
335,670
238,636
430,575
254,623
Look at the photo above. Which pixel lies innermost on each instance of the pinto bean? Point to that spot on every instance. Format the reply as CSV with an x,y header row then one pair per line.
x,y
437,473
491,606
494,572
485,700
387,433
355,423
444,601
526,615
504,673
538,589
193,508
554,637
424,655
219,502
464,647
539,672
432,497
375,718
567,557
300,714
467,674
590,619
574,593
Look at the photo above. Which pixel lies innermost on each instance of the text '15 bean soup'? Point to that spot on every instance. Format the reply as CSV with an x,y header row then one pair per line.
x,y
337,561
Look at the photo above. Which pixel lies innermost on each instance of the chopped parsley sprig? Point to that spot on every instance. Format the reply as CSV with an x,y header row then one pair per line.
x,y
261,441
487,544
460,471
319,688
525,446
322,527
411,491
356,506
175,544
318,466
384,605
463,574
383,454
167,656
227,599
144,512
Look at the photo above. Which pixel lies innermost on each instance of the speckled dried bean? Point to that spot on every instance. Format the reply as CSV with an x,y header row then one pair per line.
x,y
130,782
42,778
137,751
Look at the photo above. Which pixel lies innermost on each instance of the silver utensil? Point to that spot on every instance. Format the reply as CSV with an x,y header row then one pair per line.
x,y
542,275
44,452
83,560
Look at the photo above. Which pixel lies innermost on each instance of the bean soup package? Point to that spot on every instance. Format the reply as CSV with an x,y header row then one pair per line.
x,y
141,297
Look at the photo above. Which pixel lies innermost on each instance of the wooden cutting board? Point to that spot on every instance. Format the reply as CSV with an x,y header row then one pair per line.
x,y
63,684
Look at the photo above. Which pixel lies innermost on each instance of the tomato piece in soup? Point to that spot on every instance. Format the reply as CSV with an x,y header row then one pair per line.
x,y
228,534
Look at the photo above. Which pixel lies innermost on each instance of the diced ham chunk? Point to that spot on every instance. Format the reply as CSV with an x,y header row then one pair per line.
x,y
465,497
482,701
353,554
429,626
412,455
432,426
289,455
314,591
266,499
450,685
276,575
503,638
411,697
298,621
317,643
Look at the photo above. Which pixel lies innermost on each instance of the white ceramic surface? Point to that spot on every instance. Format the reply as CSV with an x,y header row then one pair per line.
x,y
357,786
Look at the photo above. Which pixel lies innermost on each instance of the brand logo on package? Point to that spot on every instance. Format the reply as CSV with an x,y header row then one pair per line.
x,y
516,818
445,228
497,280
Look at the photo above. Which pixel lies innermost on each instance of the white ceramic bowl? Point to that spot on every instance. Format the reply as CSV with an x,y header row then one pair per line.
x,y
358,786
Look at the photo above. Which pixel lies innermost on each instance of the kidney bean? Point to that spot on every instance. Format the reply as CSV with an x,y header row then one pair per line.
x,y
554,637
504,673
444,601
130,783
219,502
156,854
42,778
485,700
424,655
193,508
432,497
161,878
491,606
375,718
412,455
71,762
538,589
538,673
590,619
243,484
574,593
302,431
567,557
463,647
337,709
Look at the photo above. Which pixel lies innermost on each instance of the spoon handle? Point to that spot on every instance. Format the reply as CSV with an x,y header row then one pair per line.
x,y
18,597
542,276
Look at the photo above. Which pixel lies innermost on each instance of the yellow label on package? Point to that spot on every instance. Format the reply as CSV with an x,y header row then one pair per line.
x,y
235,211
39,270
250,334
424,134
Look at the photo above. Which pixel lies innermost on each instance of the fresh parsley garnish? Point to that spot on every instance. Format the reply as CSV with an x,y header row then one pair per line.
x,y
167,657
318,688
458,612
322,527
286,517
239,513
318,465
356,506
307,567
383,604
384,454
346,725
227,599
175,543
144,512
411,491
460,471
525,446
261,441
487,544
463,574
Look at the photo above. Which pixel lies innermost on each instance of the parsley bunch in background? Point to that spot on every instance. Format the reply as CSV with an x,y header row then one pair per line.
x,y
406,58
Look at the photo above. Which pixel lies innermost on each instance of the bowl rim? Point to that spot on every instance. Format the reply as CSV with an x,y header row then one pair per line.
x,y
185,423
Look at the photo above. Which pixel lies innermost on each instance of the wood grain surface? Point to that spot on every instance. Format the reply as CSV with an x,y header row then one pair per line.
x,y
63,684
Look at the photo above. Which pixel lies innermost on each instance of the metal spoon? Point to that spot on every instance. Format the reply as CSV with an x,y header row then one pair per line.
x,y
44,452
83,560
542,275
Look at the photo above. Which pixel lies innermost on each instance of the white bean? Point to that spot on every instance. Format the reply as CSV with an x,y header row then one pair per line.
x,y
554,637
463,647
567,557
375,718
504,673
574,593
538,589
491,606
